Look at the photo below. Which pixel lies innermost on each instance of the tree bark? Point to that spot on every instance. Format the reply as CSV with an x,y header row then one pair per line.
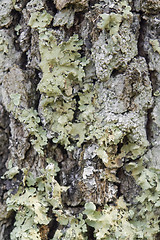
x,y
79,119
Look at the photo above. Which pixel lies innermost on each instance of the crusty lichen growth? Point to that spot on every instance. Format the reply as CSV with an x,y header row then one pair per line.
x,y
5,13
8,54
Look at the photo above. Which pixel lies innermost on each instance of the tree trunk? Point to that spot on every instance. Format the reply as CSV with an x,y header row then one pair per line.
x,y
79,119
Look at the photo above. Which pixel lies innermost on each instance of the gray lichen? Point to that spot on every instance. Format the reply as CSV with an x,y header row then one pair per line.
x,y
8,54
5,13
78,4
117,44
97,118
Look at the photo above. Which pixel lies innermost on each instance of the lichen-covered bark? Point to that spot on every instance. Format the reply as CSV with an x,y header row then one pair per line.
x,y
79,119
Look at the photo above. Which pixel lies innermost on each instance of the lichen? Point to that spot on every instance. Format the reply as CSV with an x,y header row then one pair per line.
x,y
110,223
107,117
64,17
31,121
116,45
74,227
32,201
155,45
63,72
15,99
40,19
8,54
147,203
5,13
78,4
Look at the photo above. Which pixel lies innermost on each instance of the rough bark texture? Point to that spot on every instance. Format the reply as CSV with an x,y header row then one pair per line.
x,y
79,119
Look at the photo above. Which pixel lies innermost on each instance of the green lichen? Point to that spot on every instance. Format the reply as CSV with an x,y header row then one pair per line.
x,y
120,221
71,122
32,201
40,20
111,223
155,45
138,221
63,71
31,120
146,209
74,227
110,22
61,64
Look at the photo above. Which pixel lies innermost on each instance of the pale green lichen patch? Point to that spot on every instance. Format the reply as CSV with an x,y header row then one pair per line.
x,y
61,64
110,22
31,122
155,45
63,71
40,20
35,6
73,227
148,202
110,223
122,221
15,99
32,201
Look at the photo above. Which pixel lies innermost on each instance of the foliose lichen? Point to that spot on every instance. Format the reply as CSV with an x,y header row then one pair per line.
x,y
72,112
148,202
155,45
33,199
